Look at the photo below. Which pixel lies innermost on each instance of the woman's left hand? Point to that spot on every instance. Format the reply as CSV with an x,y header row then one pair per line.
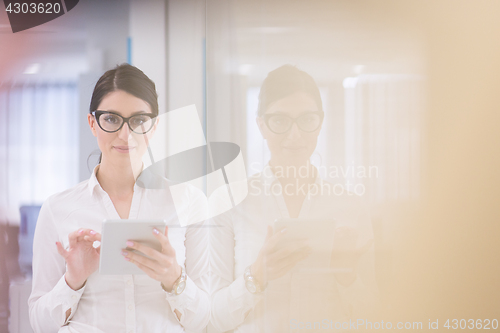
x,y
162,266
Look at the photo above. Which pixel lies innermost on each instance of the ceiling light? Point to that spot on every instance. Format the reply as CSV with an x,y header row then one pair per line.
x,y
32,69
245,69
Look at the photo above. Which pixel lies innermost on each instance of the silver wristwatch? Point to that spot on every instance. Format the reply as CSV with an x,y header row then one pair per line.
x,y
179,284
251,282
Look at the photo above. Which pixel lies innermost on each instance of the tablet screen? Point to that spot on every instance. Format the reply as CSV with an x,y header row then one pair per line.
x,y
114,236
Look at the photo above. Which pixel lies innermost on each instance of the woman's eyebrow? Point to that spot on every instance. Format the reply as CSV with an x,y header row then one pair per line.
x,y
118,112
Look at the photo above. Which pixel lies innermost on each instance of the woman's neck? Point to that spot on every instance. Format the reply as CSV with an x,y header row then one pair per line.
x,y
295,179
118,180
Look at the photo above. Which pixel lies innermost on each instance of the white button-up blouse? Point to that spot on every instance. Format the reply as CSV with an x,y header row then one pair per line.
x,y
117,303
296,297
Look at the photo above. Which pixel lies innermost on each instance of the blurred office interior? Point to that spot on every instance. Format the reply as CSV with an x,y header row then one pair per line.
x,y
410,87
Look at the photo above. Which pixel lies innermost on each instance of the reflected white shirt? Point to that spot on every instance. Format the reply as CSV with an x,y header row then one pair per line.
x,y
116,303
239,236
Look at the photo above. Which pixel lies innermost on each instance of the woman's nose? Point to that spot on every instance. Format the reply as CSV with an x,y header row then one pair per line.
x,y
294,132
124,132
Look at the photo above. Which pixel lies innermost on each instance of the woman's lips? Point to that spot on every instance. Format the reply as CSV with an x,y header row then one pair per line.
x,y
294,147
123,149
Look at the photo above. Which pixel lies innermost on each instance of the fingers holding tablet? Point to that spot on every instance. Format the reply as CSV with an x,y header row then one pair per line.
x,y
159,265
138,247
150,260
290,250
166,247
272,239
278,255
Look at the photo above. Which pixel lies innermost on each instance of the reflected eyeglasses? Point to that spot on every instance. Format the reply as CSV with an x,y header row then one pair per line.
x,y
113,122
306,122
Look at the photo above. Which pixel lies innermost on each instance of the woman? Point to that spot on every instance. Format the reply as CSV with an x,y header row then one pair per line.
x,y
69,294
255,287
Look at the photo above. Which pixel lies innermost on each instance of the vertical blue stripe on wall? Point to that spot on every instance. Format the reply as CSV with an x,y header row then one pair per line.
x,y
204,106
129,50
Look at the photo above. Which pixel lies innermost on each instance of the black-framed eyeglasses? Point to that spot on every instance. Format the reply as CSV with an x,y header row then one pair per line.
x,y
112,122
307,122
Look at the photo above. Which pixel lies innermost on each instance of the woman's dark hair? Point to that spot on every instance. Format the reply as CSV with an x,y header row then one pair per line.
x,y
129,79
283,82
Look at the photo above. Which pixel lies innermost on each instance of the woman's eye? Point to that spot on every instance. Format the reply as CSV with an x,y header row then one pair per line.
x,y
308,119
139,120
280,120
111,119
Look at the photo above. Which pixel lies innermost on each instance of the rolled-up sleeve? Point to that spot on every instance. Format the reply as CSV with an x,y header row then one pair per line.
x,y
193,305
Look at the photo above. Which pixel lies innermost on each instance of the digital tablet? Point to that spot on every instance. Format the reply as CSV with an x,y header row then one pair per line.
x,y
319,234
115,234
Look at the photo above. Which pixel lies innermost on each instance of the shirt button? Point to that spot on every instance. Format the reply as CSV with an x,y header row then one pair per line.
x,y
129,282
130,306
73,297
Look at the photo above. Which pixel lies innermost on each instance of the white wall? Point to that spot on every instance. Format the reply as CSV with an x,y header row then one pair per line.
x,y
147,29
186,38
107,30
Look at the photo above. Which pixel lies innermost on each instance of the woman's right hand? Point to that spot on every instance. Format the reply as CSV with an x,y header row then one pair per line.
x,y
275,259
82,259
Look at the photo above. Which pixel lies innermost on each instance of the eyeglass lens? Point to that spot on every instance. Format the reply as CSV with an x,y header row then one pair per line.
x,y
112,122
308,122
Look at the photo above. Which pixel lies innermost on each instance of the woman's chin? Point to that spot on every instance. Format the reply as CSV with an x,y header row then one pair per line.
x,y
299,152
295,158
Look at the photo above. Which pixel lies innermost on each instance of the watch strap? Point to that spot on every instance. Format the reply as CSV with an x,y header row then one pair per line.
x,y
251,283
180,282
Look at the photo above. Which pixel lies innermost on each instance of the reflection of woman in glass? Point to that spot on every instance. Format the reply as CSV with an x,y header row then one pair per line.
x,y
253,287
69,295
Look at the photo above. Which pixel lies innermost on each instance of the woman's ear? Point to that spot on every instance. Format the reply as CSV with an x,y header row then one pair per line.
x,y
92,124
